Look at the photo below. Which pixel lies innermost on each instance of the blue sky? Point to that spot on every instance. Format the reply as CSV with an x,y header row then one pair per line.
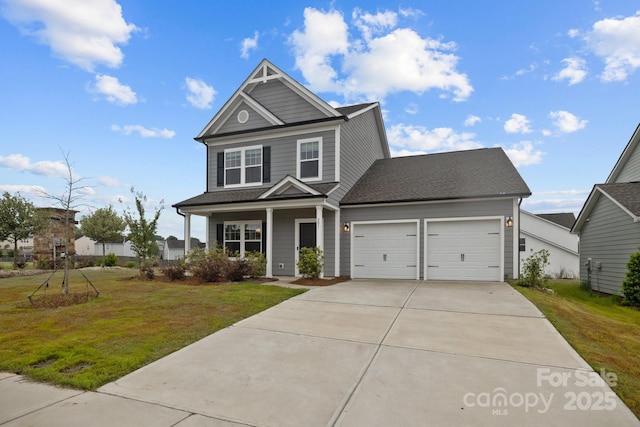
x,y
123,87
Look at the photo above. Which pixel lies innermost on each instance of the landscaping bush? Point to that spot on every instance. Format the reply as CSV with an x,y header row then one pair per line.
x,y
256,263
311,262
237,269
147,272
175,271
208,266
85,261
130,264
631,283
44,264
533,269
21,264
111,260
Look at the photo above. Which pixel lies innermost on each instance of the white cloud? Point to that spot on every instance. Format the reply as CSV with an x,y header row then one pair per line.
x,y
108,181
144,132
200,95
249,44
32,190
410,139
82,32
114,91
45,167
567,122
524,154
517,124
574,70
412,108
385,60
472,120
617,42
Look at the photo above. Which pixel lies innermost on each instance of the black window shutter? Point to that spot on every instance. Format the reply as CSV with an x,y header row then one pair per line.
x,y
220,169
220,235
264,238
266,164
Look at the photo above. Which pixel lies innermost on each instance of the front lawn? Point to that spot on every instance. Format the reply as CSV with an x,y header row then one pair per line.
x,y
604,333
131,324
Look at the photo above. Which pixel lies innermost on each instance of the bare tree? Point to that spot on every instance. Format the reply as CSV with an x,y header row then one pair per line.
x,y
69,200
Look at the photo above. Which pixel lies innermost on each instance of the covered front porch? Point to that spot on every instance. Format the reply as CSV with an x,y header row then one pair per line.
x,y
277,228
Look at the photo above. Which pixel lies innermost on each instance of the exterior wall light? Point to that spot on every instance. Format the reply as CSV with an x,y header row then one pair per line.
x,y
509,222
346,227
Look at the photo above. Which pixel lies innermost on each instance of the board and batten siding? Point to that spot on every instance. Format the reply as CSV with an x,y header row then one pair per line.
x,y
283,235
360,146
255,121
283,157
421,211
284,103
609,237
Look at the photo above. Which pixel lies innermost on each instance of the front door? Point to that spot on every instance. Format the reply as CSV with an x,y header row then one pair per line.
x,y
306,237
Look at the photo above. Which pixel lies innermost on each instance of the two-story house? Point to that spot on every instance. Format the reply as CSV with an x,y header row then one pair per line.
x,y
286,170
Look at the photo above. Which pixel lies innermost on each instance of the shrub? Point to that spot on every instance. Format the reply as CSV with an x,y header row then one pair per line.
x,y
130,264
311,262
111,260
175,271
208,266
85,261
10,254
631,283
21,264
44,264
257,264
533,269
237,269
147,272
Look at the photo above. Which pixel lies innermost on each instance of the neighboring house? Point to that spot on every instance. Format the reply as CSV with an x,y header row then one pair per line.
x,y
25,246
609,223
120,249
286,170
50,243
173,249
553,233
85,246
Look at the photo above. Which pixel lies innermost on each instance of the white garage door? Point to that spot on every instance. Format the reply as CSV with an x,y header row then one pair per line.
x,y
385,251
464,250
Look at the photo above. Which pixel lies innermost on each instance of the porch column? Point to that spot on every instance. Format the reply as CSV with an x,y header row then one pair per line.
x,y
187,233
320,231
206,233
338,234
269,248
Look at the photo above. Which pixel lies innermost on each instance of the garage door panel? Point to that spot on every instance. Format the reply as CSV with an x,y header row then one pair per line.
x,y
464,250
385,250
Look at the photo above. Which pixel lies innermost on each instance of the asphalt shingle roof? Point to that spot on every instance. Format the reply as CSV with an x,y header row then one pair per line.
x,y
627,194
564,219
481,173
349,109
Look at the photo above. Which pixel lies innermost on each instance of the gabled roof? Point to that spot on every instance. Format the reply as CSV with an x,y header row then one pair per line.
x,y
265,72
625,195
482,173
625,156
566,219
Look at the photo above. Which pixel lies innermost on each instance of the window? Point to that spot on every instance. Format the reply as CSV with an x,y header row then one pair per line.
x,y
242,237
310,159
243,166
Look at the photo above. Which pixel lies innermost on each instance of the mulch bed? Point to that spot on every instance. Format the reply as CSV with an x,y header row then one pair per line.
x,y
320,282
55,300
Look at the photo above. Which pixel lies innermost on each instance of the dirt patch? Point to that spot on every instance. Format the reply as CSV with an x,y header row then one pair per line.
x,y
20,273
76,368
44,363
320,282
59,300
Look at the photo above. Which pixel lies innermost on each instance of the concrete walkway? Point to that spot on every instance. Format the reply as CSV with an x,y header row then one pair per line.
x,y
360,353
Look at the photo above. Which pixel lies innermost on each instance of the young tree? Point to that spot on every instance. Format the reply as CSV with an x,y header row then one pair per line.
x,y
18,220
103,225
69,200
141,230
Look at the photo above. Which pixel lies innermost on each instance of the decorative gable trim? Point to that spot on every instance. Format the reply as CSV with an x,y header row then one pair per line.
x,y
264,72
286,183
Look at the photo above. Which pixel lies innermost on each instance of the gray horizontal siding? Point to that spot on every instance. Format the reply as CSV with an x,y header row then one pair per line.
x,y
426,211
283,157
360,146
232,124
609,237
288,106
631,170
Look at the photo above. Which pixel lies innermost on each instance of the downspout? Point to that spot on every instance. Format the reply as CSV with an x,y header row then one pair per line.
x,y
519,227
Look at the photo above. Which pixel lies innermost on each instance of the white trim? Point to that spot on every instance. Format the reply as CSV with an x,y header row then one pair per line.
x,y
269,249
337,153
286,183
242,224
337,234
255,206
317,139
243,166
265,135
364,110
499,218
354,224
266,114
515,264
426,202
296,248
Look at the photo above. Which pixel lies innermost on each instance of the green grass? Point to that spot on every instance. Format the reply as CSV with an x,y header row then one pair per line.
x,y
604,333
131,324
4,265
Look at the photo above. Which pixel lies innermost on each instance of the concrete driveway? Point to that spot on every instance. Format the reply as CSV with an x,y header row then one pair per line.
x,y
361,353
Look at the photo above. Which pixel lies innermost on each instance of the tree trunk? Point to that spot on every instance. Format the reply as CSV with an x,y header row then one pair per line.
x,y
15,253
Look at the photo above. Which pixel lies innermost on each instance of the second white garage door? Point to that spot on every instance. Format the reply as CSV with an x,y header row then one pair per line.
x,y
385,250
464,250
